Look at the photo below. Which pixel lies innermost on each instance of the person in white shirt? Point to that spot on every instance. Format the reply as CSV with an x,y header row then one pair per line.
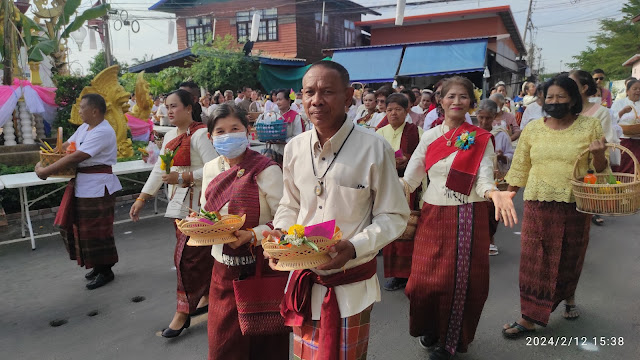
x,y
533,110
447,289
192,150
270,104
161,114
423,105
628,111
344,172
381,105
86,213
132,101
156,104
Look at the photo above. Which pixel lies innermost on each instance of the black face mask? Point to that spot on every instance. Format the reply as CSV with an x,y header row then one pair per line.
x,y
557,111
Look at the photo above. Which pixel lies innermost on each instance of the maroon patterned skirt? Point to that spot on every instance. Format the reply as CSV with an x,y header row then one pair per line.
x,y
554,243
193,268
92,242
449,280
626,164
225,337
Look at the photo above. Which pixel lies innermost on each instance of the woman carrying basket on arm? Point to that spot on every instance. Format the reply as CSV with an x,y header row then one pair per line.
x,y
192,150
449,281
554,234
239,182
628,112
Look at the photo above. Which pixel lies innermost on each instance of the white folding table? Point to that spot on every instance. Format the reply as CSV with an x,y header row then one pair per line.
x,y
24,180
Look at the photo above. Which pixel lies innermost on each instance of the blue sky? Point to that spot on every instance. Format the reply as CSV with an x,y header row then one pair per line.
x,y
563,27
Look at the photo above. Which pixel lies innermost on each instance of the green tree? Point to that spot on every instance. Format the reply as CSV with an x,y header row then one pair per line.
x,y
616,42
221,65
99,63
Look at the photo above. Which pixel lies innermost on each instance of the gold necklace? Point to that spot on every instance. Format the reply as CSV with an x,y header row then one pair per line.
x,y
449,139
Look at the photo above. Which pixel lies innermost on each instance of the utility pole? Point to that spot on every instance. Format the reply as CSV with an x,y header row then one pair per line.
x,y
107,41
526,24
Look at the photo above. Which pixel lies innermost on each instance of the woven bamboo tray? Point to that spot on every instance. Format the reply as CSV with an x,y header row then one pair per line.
x,y
631,129
608,199
47,159
300,257
203,234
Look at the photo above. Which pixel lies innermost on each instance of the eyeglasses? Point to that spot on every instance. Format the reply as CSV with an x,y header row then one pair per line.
x,y
598,78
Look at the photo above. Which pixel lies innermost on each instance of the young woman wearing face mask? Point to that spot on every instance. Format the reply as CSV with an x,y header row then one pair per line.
x,y
554,234
240,181
193,150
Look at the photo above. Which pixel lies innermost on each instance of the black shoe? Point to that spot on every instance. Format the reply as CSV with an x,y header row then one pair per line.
x,y
170,333
91,274
100,280
395,284
439,353
427,342
201,310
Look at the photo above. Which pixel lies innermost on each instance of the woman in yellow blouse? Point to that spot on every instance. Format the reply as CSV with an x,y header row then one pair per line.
x,y
554,234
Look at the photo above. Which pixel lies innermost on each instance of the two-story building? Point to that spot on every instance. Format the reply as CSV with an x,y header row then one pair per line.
x,y
291,32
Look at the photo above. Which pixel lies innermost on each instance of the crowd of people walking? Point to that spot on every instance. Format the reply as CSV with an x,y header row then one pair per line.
x,y
371,160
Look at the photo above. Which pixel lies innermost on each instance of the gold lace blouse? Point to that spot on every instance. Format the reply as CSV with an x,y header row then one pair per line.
x,y
544,158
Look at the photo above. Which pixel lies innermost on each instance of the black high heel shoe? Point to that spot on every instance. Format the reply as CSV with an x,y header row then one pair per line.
x,y
170,333
201,310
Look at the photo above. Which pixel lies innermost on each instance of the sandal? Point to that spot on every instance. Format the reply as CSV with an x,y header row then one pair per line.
x,y
568,309
493,250
597,220
516,335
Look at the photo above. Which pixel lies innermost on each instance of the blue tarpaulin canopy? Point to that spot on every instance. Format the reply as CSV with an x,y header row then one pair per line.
x,y
377,64
441,58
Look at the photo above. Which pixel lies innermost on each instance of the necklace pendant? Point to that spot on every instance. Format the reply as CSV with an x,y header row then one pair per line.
x,y
448,142
318,189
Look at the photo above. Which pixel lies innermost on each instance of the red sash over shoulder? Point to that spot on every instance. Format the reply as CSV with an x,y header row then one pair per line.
x,y
296,304
466,163
183,144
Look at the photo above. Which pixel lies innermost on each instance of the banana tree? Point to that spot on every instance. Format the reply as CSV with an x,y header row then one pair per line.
x,y
49,40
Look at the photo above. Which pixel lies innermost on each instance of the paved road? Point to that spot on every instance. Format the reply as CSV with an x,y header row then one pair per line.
x,y
41,286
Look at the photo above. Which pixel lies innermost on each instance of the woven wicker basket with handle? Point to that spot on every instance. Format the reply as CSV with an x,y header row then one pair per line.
x,y
48,158
603,198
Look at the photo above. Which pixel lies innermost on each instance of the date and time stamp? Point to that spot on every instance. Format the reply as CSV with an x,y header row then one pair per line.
x,y
581,341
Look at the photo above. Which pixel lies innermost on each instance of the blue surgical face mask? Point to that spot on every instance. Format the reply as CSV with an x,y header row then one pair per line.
x,y
231,145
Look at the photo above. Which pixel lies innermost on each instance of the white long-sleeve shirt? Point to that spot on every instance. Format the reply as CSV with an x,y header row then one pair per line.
x,y
361,192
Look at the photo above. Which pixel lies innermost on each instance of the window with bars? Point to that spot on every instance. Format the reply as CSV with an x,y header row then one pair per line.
x,y
198,29
268,29
349,33
322,28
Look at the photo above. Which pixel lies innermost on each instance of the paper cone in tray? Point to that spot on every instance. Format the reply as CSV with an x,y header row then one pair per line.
x,y
203,233
292,257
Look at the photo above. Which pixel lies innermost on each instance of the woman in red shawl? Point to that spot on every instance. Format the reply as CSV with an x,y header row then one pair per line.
x,y
193,150
449,280
239,182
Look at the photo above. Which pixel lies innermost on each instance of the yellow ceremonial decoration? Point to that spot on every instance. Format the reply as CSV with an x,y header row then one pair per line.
x,y
144,103
107,85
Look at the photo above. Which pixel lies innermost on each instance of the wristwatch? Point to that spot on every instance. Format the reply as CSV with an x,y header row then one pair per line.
x,y
180,179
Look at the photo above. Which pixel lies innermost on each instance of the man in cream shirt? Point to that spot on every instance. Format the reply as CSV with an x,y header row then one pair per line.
x,y
338,171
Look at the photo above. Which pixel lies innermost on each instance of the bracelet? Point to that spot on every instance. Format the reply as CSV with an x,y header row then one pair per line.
x,y
141,199
255,237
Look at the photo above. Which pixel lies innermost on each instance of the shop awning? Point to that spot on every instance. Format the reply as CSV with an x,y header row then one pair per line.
x,y
441,58
374,64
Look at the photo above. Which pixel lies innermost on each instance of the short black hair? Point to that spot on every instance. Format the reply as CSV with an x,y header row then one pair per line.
x,y
226,110
189,84
286,94
585,79
570,87
244,88
383,91
597,71
415,87
96,101
328,64
399,99
412,96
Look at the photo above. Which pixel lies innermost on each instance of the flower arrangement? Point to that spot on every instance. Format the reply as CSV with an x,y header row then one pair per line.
x,y
295,236
167,160
465,140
